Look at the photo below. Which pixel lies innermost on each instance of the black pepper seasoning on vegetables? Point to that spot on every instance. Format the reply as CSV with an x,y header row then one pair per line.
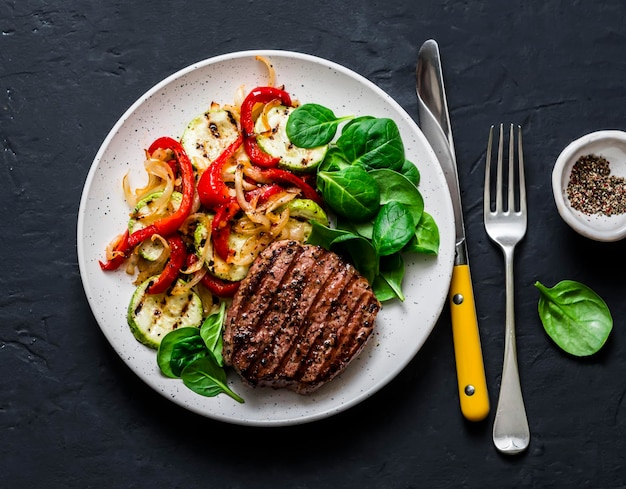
x,y
593,190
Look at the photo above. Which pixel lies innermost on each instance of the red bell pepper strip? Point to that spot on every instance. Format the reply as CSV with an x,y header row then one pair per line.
x,y
220,228
261,95
167,225
278,175
219,287
120,254
262,194
212,190
178,256
216,285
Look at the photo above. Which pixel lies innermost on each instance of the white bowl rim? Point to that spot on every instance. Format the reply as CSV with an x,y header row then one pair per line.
x,y
574,219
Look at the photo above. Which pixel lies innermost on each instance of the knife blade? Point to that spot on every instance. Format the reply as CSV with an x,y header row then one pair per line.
x,y
435,124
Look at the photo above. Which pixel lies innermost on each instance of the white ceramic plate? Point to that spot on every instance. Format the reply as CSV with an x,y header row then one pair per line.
x,y
165,110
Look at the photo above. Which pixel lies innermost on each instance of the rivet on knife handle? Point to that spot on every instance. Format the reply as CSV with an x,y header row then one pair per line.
x,y
473,394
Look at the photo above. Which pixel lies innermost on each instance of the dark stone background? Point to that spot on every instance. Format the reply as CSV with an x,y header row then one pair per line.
x,y
72,415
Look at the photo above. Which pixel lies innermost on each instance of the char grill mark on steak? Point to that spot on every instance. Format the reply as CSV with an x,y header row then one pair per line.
x,y
298,319
264,275
280,318
326,354
313,270
349,342
338,277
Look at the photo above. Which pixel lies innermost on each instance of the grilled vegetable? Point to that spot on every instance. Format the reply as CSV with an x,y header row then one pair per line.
x,y
207,136
152,316
272,138
150,250
216,265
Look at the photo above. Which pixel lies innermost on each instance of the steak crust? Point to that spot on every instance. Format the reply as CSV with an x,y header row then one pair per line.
x,y
299,317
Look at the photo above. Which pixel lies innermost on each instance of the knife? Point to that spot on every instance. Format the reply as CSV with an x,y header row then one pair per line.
x,y
435,124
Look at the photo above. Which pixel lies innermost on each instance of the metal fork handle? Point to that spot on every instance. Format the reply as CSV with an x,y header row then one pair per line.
x,y
511,433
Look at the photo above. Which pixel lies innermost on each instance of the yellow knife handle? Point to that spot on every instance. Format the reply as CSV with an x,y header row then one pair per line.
x,y
470,369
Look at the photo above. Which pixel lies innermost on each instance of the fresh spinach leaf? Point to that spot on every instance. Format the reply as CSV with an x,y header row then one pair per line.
x,y
392,273
211,333
348,244
426,239
312,125
410,171
324,235
382,290
373,143
393,228
205,377
372,189
361,253
333,160
395,187
364,228
177,348
358,120
575,317
351,192
195,355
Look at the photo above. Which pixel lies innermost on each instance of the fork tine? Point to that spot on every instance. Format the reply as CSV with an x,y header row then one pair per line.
x,y
499,172
487,187
522,180
511,204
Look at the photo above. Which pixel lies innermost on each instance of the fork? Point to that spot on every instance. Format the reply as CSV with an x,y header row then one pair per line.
x,y
506,226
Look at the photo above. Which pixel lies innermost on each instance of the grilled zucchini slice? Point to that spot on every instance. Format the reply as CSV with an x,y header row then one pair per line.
x,y
208,135
274,140
216,265
150,250
152,316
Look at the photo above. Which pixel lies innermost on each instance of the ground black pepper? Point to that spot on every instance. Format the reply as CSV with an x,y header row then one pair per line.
x,y
593,190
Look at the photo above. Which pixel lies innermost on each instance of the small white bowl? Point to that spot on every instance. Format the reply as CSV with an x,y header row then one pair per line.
x,y
612,146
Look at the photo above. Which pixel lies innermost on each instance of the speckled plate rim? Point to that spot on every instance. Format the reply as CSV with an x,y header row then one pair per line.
x,y
610,144
402,327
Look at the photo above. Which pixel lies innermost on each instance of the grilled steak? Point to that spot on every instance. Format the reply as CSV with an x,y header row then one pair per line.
x,y
299,317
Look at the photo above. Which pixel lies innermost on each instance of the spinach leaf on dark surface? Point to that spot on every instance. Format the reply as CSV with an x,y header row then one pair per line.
x,y
575,317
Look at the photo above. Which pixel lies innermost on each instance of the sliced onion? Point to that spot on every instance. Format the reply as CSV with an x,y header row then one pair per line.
x,y
253,247
270,70
184,287
277,227
249,210
208,304
255,174
247,227
263,117
110,252
277,200
154,184
159,168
